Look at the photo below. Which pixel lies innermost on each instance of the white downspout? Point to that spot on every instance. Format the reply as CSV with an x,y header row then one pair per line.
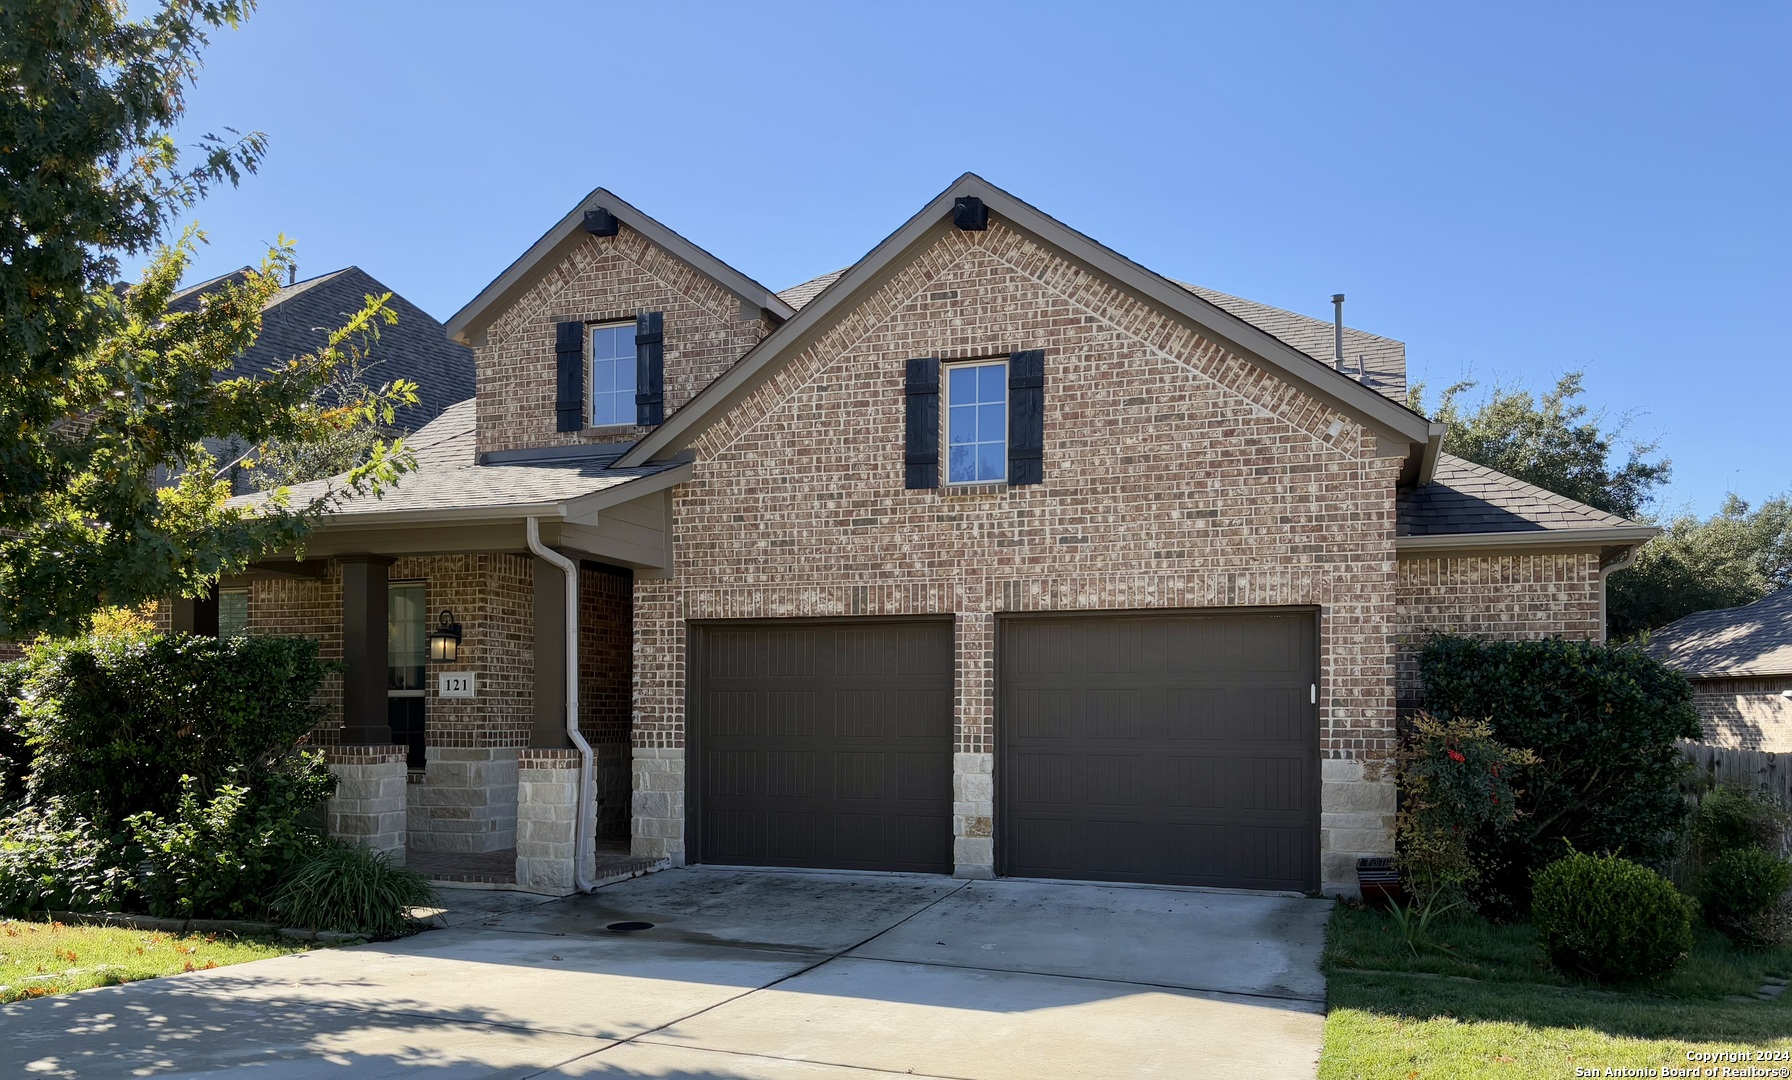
x,y
1605,571
582,839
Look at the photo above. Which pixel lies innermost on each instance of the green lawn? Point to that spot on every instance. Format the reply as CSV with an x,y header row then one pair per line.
x,y
1486,1005
53,958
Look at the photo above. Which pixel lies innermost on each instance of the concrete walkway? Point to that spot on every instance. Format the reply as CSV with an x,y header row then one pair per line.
x,y
744,974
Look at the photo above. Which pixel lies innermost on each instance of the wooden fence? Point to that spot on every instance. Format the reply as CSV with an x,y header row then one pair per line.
x,y
1752,769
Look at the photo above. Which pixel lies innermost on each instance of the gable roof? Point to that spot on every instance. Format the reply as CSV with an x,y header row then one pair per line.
x,y
1754,639
1383,359
469,322
299,318
1389,418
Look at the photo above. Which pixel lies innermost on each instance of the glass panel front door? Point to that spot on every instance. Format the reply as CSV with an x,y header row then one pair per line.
x,y
407,650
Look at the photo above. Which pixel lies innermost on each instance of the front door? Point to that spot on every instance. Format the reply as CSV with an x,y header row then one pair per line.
x,y
406,653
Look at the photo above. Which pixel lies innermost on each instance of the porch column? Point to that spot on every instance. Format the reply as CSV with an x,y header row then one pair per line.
x,y
364,650
369,805
549,732
195,615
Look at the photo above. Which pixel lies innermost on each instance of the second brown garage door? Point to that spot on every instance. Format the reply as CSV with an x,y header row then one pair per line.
x,y
823,744
1179,750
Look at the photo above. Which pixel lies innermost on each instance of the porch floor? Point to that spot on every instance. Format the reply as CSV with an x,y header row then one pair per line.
x,y
614,860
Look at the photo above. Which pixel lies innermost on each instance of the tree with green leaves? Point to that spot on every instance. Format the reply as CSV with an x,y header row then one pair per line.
x,y
1554,442
1735,557
103,391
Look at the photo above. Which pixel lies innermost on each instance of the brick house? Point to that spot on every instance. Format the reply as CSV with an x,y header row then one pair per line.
x,y
994,553
1740,662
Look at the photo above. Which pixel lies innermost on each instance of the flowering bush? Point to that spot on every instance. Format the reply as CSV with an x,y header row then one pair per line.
x,y
1455,781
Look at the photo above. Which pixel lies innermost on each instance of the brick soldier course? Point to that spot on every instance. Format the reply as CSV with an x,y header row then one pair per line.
x,y
1192,461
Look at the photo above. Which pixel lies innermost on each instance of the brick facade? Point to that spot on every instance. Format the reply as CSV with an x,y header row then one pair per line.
x,y
1504,597
1748,714
1177,475
606,677
604,279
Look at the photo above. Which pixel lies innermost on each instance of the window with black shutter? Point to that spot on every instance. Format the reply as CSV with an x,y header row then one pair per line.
x,y
569,384
650,369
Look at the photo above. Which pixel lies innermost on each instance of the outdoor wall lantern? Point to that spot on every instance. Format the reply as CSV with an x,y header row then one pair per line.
x,y
444,640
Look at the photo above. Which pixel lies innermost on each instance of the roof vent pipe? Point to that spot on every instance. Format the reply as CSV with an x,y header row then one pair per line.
x,y
1338,330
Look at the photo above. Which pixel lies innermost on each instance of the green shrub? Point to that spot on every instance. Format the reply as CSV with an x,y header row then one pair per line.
x,y
114,723
1455,782
1609,918
222,855
1601,719
1731,818
15,756
350,888
53,861
1743,897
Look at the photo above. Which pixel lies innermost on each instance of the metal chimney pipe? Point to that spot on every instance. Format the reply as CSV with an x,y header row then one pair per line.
x,y
1338,330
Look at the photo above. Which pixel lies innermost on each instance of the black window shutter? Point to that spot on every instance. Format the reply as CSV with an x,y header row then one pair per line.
x,y
569,394
650,369
1026,417
922,453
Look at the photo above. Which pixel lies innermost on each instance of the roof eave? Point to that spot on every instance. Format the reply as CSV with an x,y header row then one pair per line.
x,y
1624,538
466,324
1386,416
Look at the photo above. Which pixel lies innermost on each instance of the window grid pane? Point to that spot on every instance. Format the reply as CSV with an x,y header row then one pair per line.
x,y
613,374
977,423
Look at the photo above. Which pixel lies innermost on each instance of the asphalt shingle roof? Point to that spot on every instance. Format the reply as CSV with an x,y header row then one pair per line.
x,y
1751,640
1383,359
1464,497
300,316
448,476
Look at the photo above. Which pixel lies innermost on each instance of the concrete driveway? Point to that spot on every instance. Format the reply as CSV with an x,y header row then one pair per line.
x,y
744,974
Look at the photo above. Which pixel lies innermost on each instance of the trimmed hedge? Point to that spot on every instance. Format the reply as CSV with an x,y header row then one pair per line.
x,y
1602,720
1609,918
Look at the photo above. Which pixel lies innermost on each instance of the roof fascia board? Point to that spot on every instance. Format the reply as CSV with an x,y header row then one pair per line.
x,y
1380,413
470,321
584,509
1522,542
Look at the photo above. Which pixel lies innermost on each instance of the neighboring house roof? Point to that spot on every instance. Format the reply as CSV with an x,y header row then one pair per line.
x,y
450,482
1751,640
547,253
1383,360
1389,418
1468,504
299,318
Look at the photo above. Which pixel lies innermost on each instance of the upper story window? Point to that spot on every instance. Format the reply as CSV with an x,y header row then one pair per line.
x,y
977,422
613,374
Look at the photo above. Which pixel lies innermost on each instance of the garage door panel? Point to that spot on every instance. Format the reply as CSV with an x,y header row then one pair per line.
x,y
1173,749
824,744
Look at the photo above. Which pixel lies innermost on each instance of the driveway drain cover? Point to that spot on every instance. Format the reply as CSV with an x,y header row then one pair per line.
x,y
629,927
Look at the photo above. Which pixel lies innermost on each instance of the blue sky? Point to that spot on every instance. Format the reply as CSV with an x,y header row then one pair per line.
x,y
1563,186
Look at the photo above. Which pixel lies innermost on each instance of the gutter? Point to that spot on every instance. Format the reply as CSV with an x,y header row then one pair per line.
x,y
1630,535
582,839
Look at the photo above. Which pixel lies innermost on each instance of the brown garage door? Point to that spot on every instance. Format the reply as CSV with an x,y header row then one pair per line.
x,y
1179,750
824,744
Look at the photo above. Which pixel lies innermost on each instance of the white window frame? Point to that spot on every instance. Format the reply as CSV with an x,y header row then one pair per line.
x,y
946,370
591,359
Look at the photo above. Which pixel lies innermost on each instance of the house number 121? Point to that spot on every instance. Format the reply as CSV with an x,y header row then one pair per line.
x,y
455,684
